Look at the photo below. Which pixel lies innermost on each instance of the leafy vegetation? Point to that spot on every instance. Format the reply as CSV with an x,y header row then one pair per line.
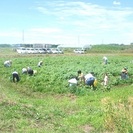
x,y
112,48
45,102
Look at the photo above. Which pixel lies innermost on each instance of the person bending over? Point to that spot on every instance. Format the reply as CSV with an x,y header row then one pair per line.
x,y
40,63
30,71
15,77
8,63
89,79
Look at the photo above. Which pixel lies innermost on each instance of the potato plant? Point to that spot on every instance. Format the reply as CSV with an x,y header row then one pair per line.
x,y
53,76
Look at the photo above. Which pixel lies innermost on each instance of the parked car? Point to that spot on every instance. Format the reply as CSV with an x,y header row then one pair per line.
x,y
21,50
54,51
39,51
42,51
79,51
48,51
30,50
35,51
60,51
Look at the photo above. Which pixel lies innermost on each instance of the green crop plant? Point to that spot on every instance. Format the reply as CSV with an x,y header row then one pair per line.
x,y
53,76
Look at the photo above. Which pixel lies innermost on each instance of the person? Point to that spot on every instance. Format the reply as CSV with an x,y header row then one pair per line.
x,y
24,70
34,72
40,63
105,80
124,73
80,77
15,77
105,60
8,63
73,82
90,79
30,71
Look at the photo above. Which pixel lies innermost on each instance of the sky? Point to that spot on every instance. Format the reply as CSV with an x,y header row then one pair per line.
x,y
66,22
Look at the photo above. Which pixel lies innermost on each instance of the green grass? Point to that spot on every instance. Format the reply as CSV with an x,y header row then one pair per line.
x,y
40,112
44,103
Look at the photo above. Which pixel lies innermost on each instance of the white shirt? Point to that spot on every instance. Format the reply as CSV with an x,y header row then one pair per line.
x,y
6,62
15,72
73,81
87,76
105,80
24,70
40,63
105,58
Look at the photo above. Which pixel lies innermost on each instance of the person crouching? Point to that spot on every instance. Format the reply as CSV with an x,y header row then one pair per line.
x,y
15,77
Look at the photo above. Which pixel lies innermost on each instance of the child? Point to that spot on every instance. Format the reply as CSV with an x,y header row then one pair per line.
x,y
81,77
105,80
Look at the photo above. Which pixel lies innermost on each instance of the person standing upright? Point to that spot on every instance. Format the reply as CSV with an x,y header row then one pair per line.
x,y
105,60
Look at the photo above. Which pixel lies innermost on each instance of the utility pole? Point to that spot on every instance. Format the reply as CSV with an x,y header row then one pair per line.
x,y
78,40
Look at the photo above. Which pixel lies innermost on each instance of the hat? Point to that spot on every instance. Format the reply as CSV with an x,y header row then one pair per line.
x,y
125,68
92,73
79,71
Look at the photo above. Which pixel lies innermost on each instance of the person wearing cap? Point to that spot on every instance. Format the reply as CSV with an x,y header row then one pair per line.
x,y
89,79
8,63
124,73
15,77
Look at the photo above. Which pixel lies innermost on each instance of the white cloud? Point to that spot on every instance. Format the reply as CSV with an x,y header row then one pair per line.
x,y
45,30
63,21
9,34
116,3
82,14
43,10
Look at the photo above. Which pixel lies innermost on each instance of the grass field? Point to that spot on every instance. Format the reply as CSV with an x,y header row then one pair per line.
x,y
44,103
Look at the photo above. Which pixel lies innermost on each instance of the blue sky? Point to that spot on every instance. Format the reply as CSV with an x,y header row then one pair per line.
x,y
67,22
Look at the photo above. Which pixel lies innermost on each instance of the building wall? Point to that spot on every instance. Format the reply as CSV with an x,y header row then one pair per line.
x,y
38,45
